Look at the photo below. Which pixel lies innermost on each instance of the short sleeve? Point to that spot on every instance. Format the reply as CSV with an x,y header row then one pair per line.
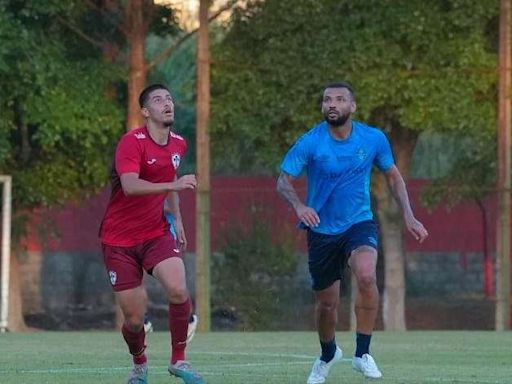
x,y
185,148
384,157
297,158
128,155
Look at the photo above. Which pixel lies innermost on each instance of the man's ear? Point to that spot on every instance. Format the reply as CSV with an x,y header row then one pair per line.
x,y
353,107
145,112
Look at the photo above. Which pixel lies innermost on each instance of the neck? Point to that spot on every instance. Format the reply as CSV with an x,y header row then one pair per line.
x,y
341,132
158,132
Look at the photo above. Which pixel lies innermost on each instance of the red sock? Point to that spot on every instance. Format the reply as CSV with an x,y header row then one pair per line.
x,y
178,325
136,345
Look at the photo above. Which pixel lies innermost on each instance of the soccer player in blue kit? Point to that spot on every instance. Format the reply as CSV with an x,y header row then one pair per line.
x,y
338,155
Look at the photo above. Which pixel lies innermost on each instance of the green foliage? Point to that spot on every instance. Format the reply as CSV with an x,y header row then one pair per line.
x,y
472,176
104,22
252,273
435,153
423,65
58,126
179,72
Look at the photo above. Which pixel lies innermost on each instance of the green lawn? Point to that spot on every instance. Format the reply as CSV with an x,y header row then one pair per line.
x,y
265,357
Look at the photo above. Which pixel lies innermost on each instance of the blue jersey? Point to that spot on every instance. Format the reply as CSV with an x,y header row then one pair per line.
x,y
338,173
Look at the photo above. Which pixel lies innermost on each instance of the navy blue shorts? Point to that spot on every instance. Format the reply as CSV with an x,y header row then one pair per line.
x,y
328,254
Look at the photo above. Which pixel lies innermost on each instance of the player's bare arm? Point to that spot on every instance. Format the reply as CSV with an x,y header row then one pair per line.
x,y
173,207
133,185
397,186
286,189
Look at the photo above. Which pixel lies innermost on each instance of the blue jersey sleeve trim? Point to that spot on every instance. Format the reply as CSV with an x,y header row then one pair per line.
x,y
385,159
289,172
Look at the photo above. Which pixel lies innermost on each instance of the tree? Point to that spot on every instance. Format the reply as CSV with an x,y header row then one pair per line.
x,y
58,126
203,168
179,72
130,23
127,24
416,66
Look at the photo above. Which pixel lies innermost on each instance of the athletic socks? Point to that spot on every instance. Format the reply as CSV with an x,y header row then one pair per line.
x,y
328,350
136,344
178,326
362,344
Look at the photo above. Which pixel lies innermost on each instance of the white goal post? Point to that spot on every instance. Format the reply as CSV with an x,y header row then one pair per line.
x,y
6,250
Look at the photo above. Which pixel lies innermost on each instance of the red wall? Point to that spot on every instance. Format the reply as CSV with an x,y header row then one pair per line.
x,y
233,200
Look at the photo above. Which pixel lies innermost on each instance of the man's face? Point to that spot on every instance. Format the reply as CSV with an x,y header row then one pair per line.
x,y
159,107
337,106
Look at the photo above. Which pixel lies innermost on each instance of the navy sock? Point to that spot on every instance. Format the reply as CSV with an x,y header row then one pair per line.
x,y
328,350
363,344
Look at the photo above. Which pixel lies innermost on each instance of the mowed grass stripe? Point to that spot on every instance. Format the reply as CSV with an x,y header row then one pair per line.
x,y
416,357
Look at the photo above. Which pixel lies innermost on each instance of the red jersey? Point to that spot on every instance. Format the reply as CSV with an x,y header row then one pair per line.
x,y
131,220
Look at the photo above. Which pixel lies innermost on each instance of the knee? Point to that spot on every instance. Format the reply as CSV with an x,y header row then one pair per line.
x,y
367,281
134,321
327,306
177,294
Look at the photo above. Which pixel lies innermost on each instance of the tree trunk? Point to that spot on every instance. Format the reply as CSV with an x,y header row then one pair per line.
x,y
393,300
136,36
503,316
21,124
202,280
390,218
137,65
15,320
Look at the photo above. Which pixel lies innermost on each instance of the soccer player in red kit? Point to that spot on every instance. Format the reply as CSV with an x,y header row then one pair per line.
x,y
135,234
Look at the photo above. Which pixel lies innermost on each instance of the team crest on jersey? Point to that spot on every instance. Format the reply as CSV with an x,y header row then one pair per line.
x,y
140,135
361,154
176,159
113,277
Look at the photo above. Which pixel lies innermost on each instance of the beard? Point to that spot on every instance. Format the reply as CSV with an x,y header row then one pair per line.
x,y
338,121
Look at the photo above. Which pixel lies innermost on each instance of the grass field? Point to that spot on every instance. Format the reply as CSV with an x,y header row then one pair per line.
x,y
266,357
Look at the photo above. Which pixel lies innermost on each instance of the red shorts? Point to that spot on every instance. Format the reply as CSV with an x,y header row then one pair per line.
x,y
125,264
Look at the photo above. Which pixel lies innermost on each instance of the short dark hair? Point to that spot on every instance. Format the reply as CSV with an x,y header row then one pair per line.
x,y
144,95
343,84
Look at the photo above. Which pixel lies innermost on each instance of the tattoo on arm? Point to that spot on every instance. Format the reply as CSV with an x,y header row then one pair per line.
x,y
399,191
287,191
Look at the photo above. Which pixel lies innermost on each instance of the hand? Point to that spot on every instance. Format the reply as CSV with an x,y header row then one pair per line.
x,y
181,239
308,216
185,182
416,229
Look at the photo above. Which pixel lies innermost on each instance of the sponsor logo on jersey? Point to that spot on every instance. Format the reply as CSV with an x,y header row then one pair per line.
x,y
151,162
176,159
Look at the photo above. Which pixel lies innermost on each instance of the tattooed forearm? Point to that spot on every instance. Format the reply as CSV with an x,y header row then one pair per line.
x,y
399,191
287,191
